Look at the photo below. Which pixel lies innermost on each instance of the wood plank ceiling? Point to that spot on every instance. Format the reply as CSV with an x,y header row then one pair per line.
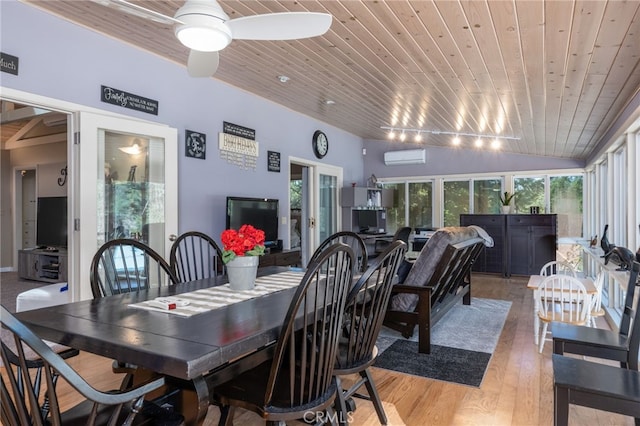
x,y
554,74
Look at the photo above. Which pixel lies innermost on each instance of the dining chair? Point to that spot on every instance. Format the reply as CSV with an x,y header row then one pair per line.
x,y
366,306
21,393
597,310
622,345
298,383
351,239
401,234
562,298
195,256
557,267
594,385
127,265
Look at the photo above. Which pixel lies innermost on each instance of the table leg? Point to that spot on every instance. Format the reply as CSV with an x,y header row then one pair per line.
x,y
536,319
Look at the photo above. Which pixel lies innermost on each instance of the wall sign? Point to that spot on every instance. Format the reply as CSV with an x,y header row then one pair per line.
x,y
195,144
128,100
238,146
273,161
9,63
234,129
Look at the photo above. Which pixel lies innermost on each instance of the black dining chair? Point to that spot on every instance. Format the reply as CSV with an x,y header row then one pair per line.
x,y
126,265
298,383
622,346
21,393
402,234
195,256
351,239
364,313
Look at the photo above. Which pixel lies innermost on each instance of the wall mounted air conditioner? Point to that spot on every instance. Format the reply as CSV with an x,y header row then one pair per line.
x,y
407,156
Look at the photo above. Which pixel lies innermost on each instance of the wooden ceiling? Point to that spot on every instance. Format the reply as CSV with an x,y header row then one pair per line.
x,y
554,74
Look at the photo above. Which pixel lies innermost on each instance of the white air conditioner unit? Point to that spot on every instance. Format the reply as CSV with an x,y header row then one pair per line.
x,y
407,156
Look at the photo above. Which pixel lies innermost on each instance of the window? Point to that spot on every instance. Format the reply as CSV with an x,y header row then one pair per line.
x,y
529,193
396,214
486,196
420,204
456,201
565,200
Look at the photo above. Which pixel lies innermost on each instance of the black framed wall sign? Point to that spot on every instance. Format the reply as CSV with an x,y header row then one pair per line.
x,y
195,144
273,161
9,63
128,100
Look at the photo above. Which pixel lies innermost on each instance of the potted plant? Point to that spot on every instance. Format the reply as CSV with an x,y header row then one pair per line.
x,y
240,253
505,199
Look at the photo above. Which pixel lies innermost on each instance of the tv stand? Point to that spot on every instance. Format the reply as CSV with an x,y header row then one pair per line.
x,y
47,265
280,258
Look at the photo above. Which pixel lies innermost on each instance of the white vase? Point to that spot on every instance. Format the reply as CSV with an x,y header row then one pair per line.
x,y
506,209
242,272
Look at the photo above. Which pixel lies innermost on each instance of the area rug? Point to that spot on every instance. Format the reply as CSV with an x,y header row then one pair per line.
x,y
462,343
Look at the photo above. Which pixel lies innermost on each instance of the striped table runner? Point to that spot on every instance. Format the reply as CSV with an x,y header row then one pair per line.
x,y
215,297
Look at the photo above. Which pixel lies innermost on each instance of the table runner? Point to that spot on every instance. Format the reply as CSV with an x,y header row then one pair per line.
x,y
207,299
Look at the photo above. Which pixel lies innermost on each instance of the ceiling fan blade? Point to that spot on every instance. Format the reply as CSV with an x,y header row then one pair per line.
x,y
140,11
202,64
280,26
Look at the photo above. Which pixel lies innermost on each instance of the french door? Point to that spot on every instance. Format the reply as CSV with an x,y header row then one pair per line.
x,y
127,186
321,205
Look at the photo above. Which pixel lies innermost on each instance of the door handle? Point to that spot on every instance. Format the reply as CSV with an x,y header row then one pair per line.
x,y
173,237
312,222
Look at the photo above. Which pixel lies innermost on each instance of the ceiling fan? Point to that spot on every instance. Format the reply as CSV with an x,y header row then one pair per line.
x,y
203,27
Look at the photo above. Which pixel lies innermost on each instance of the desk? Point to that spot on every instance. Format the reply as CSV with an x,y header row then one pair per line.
x,y
534,283
186,348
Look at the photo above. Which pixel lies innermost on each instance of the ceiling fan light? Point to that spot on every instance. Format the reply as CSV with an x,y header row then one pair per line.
x,y
203,33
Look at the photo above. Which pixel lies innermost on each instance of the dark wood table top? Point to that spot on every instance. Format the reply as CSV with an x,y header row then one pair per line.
x,y
182,347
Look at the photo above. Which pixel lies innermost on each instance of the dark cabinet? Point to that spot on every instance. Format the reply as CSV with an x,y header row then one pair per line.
x,y
522,243
491,259
281,258
532,242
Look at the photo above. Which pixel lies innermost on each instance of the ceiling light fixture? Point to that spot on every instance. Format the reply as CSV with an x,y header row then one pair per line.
x,y
201,29
456,140
131,150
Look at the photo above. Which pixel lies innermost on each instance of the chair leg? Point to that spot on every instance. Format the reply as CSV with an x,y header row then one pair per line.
x,y
543,335
373,394
341,406
226,415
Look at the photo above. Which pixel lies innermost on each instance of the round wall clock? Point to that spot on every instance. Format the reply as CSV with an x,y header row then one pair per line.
x,y
320,144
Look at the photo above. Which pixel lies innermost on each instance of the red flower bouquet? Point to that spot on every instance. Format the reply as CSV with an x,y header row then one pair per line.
x,y
247,241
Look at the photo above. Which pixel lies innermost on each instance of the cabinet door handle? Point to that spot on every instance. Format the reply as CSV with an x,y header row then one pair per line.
x,y
35,266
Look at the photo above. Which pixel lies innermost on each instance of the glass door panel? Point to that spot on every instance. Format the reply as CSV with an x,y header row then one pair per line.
x,y
134,192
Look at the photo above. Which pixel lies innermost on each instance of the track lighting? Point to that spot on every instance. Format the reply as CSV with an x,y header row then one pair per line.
x,y
456,140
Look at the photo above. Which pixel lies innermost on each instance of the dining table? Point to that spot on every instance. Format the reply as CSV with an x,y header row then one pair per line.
x,y
194,352
534,283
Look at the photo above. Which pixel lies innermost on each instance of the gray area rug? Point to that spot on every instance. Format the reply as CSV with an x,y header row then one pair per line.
x,y
462,344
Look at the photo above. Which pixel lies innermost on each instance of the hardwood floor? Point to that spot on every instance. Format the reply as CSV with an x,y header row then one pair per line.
x,y
516,390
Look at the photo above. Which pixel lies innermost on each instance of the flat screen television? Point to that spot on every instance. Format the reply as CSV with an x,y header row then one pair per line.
x,y
368,220
262,213
51,222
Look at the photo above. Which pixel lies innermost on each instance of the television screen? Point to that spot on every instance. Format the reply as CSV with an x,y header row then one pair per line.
x,y
51,222
262,213
368,219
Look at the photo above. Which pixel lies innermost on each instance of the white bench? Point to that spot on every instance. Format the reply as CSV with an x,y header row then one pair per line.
x,y
41,297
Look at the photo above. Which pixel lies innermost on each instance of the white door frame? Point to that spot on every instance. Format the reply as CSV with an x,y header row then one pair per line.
x,y
69,108
315,168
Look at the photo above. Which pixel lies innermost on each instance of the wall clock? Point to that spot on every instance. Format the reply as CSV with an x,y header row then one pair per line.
x,y
320,144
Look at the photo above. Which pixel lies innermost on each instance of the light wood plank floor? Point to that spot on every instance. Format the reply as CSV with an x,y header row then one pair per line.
x,y
517,388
